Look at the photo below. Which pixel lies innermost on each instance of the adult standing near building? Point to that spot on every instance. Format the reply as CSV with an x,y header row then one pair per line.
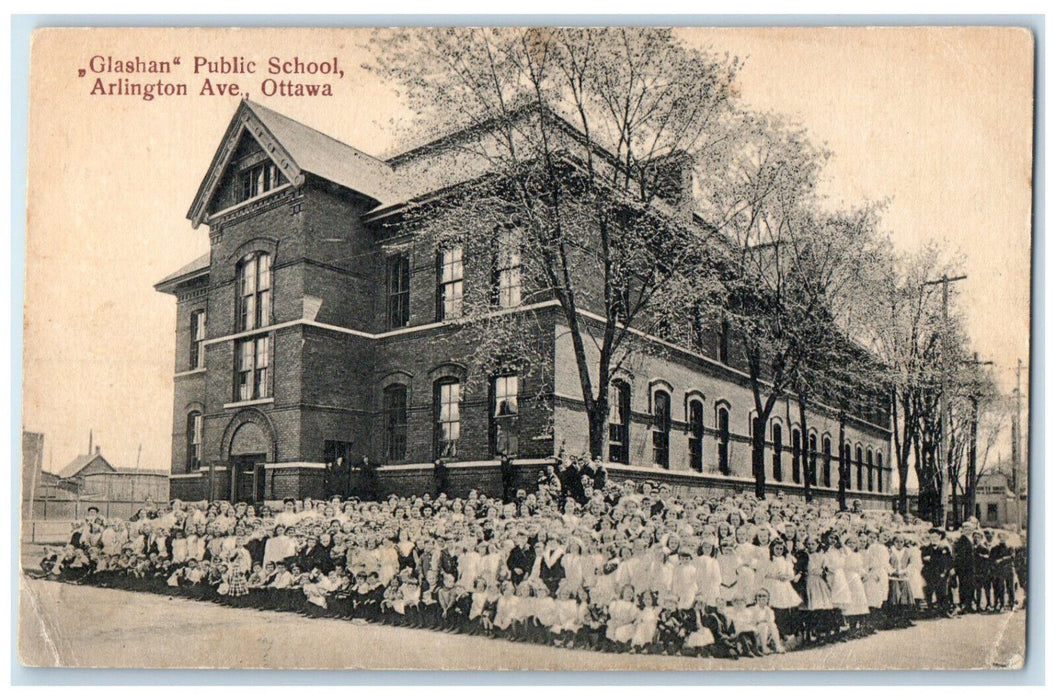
x,y
441,478
1001,567
338,478
601,476
982,571
368,479
964,565
938,567
572,484
509,477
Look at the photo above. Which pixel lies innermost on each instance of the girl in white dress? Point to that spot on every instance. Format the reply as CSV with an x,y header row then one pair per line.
x,y
729,563
915,572
623,614
841,594
709,576
646,622
853,566
819,599
752,559
876,561
764,624
572,562
899,598
506,606
778,577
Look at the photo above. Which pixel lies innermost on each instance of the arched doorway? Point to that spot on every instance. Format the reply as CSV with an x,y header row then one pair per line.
x,y
247,455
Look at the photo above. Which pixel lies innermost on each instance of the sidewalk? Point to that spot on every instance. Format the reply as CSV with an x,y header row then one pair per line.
x,y
70,625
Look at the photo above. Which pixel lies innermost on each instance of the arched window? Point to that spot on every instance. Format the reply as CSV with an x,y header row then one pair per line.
x,y
504,411
858,467
194,440
812,456
722,420
880,472
394,415
447,412
826,446
619,421
696,435
797,446
662,428
775,434
869,468
254,291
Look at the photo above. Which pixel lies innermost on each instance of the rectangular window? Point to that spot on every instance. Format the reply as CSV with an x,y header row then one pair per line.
x,y
504,415
258,180
662,429
508,269
619,422
252,373
399,290
247,292
448,425
194,440
723,424
779,448
724,342
263,290
621,300
991,512
394,413
812,444
449,291
254,291
696,436
197,358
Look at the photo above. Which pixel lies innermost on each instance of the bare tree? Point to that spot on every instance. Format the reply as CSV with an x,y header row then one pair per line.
x,y
902,326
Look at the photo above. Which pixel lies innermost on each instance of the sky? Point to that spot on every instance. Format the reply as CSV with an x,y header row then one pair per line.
x,y
937,121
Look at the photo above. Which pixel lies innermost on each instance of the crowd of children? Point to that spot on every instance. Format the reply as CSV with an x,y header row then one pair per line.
x,y
623,567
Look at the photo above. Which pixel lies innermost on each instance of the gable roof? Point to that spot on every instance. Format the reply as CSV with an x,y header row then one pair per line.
x,y
296,149
196,268
82,462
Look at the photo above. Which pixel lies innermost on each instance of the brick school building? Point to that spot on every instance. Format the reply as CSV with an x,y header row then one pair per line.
x,y
315,331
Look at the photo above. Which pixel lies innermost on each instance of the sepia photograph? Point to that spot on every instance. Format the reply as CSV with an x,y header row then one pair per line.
x,y
471,348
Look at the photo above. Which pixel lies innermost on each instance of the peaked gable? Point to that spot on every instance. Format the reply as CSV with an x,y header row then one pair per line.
x,y
93,464
244,122
295,149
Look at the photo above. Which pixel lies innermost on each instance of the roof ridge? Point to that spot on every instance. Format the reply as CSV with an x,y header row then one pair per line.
x,y
255,106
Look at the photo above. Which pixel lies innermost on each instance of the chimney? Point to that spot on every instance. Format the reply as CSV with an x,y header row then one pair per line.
x,y
672,181
97,449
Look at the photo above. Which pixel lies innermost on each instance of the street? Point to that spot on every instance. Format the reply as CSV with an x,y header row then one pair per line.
x,y
82,626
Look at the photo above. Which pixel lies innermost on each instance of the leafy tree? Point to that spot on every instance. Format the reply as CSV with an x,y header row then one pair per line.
x,y
583,141
796,259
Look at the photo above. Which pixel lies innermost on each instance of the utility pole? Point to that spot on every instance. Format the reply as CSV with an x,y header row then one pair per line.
x,y
1016,455
946,424
973,447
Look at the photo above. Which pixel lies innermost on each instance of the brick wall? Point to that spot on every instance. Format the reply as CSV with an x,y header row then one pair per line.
x,y
714,385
